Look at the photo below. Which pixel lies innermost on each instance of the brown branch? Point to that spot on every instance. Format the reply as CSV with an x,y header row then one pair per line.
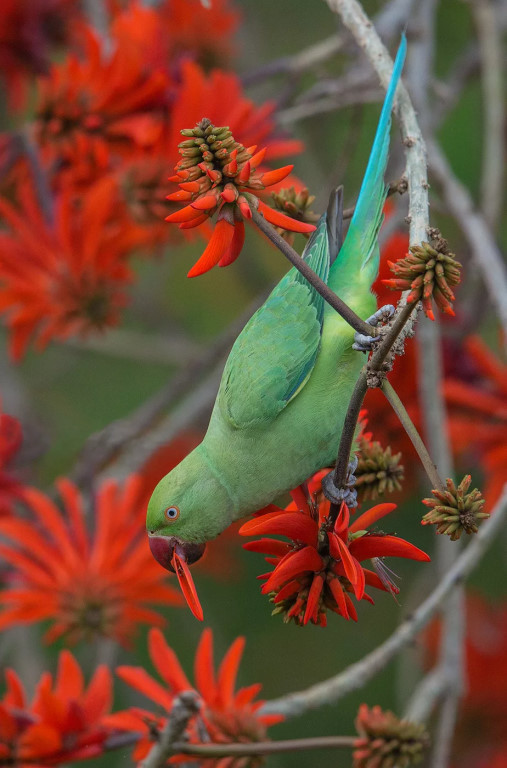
x,y
301,265
264,747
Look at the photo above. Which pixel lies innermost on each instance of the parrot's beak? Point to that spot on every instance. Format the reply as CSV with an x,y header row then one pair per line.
x,y
163,548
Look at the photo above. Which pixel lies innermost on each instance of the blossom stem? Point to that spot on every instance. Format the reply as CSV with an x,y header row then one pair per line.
x,y
295,259
264,747
410,429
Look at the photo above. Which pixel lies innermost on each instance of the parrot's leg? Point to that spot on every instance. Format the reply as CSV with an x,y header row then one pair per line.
x,y
348,493
364,343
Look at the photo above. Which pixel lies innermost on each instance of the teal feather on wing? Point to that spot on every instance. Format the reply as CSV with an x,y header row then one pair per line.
x,y
274,355
360,247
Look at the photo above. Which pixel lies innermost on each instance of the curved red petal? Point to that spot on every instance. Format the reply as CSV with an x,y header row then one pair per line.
x,y
385,546
286,222
371,516
295,525
219,242
268,547
235,247
299,561
314,594
273,177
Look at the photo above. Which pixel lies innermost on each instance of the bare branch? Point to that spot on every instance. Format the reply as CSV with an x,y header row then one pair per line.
x,y
493,152
184,706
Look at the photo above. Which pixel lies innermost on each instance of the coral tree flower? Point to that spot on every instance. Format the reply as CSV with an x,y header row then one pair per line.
x,y
322,565
64,721
65,278
218,175
88,584
227,715
385,741
89,104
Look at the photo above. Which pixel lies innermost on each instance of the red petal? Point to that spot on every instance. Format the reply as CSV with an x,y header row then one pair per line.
x,y
340,551
268,547
219,242
300,499
300,561
166,663
203,668
296,526
228,671
257,159
385,546
371,516
187,585
195,222
235,247
313,597
205,203
180,196
273,177
184,214
338,594
286,222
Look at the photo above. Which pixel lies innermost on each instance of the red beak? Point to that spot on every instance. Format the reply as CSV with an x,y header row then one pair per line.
x,y
175,556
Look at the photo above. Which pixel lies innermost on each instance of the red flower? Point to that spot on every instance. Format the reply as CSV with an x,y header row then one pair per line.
x,y
87,105
176,30
478,414
227,716
321,566
28,32
64,721
217,174
10,441
483,712
88,584
65,279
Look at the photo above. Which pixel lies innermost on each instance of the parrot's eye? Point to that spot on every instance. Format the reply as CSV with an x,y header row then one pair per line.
x,y
172,513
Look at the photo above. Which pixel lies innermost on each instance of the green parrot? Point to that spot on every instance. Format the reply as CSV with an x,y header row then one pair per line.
x,y
287,382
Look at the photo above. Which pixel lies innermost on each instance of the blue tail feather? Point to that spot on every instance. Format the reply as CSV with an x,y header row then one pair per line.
x,y
360,245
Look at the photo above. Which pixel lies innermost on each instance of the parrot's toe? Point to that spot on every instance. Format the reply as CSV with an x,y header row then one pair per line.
x,y
348,493
363,343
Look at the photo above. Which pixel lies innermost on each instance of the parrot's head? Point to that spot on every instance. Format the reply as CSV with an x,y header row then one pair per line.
x,y
188,507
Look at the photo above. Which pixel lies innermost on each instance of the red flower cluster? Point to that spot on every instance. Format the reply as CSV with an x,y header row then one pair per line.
x,y
218,175
227,715
64,722
88,584
106,125
322,565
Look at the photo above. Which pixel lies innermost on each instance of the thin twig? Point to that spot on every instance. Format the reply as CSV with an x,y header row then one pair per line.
x,y
426,695
408,425
493,145
325,291
264,747
358,674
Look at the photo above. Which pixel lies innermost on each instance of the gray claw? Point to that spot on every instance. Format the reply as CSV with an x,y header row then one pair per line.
x,y
363,343
348,494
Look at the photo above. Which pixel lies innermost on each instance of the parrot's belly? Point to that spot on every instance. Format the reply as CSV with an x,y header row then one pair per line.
x,y
257,464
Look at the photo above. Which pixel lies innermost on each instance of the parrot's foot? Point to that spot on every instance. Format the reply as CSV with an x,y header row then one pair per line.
x,y
347,493
363,343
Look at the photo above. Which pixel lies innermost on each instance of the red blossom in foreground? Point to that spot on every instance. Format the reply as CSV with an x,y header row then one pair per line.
x,y
88,584
228,716
218,175
64,722
10,441
322,565
66,278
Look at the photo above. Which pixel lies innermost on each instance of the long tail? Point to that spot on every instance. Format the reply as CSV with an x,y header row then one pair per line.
x,y
361,240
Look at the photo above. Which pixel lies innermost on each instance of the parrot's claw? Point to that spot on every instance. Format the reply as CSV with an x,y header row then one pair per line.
x,y
348,493
363,343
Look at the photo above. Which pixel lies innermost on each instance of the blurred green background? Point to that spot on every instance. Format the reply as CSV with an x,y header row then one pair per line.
x,y
72,392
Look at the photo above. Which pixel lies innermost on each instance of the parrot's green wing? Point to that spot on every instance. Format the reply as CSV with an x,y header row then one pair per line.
x,y
274,355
